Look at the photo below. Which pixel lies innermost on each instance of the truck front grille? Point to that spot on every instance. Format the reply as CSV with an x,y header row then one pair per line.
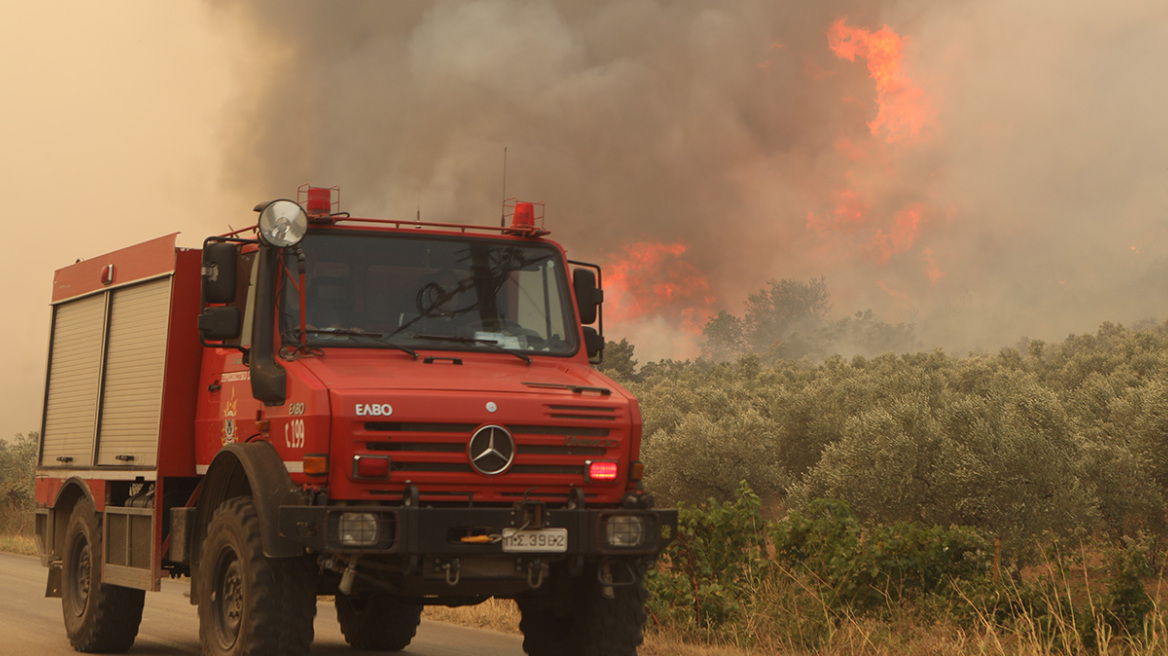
x,y
441,447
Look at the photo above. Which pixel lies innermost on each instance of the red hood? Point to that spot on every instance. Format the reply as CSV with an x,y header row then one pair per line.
x,y
369,370
422,413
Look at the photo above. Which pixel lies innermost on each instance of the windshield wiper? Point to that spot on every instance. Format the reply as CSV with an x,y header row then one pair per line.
x,y
491,343
376,337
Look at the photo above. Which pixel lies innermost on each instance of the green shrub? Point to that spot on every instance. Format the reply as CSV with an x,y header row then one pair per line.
x,y
861,569
712,569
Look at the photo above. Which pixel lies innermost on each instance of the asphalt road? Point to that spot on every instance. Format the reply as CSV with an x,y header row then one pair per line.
x,y
30,623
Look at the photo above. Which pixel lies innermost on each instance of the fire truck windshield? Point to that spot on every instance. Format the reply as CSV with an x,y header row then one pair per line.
x,y
368,289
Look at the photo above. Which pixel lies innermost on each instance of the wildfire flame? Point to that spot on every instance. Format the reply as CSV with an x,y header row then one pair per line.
x,y
866,217
861,216
903,107
902,234
650,279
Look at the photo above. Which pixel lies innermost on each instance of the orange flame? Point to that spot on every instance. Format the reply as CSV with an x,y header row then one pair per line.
x,y
653,280
902,234
903,107
865,214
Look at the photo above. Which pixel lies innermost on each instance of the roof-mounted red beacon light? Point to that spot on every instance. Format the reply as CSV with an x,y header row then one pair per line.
x,y
524,218
320,203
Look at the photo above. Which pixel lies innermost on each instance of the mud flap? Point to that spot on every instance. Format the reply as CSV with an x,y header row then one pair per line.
x,y
53,585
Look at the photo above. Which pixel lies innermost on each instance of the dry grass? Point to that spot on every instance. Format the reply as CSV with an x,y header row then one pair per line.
x,y
494,614
16,533
503,616
24,545
855,638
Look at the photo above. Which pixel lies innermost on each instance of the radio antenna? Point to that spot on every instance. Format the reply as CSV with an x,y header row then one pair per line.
x,y
503,212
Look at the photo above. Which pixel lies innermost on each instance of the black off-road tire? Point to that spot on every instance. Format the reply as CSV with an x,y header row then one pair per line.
x,y
376,621
249,604
576,619
99,618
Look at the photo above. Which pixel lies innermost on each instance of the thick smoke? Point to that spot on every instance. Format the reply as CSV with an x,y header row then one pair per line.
x,y
1031,203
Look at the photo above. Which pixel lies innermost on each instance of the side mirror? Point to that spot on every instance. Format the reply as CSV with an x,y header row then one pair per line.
x,y
220,323
593,345
220,263
588,295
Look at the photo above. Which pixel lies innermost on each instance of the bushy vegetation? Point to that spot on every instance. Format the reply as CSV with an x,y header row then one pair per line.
x,y
820,581
1031,441
1018,496
17,472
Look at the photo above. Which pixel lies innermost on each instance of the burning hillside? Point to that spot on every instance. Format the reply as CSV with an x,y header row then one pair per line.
x,y
956,167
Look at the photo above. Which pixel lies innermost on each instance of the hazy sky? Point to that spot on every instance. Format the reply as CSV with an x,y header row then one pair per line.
x,y
112,134
714,144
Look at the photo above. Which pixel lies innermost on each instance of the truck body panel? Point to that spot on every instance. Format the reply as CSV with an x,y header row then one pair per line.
x,y
119,396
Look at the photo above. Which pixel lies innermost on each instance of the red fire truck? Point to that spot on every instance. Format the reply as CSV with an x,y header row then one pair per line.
x,y
390,412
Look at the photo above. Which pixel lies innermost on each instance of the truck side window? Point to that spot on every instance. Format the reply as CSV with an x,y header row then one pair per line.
x,y
533,304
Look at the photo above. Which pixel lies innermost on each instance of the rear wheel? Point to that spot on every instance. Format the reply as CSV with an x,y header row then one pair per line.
x,y
249,604
377,621
577,618
98,617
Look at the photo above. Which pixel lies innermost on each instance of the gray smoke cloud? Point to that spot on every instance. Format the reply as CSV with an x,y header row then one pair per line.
x,y
1032,203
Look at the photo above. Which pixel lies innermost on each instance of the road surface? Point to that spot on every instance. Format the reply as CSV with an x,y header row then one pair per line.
x,y
31,624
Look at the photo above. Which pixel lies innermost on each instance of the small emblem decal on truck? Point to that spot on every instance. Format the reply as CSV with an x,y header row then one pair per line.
x,y
374,410
491,450
229,411
572,440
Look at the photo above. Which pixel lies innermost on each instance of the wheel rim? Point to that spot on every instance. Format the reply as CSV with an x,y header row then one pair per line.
x,y
80,576
227,598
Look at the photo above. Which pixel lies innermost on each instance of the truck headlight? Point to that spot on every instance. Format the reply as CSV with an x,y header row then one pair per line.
x,y
283,223
358,529
624,530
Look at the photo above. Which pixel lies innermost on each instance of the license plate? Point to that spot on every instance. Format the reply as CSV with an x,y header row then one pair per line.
x,y
545,540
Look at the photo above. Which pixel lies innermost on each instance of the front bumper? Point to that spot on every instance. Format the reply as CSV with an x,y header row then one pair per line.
x,y
454,532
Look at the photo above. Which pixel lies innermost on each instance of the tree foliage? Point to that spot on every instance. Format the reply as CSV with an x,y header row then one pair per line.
x,y
787,320
782,308
1042,439
619,362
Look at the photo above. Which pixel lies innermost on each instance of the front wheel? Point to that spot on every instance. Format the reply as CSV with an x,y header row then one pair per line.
x,y
99,617
249,604
376,621
580,618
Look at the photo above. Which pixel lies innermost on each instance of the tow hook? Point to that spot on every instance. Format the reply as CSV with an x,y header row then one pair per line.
x,y
607,582
346,585
348,570
453,570
605,577
536,573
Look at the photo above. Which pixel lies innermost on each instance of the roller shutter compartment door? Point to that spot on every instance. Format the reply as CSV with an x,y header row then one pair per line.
x,y
74,381
135,361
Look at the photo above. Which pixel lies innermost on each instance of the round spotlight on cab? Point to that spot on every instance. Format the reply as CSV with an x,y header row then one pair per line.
x,y
283,223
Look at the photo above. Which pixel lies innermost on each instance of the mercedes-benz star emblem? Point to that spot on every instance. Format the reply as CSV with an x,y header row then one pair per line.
x,y
491,450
